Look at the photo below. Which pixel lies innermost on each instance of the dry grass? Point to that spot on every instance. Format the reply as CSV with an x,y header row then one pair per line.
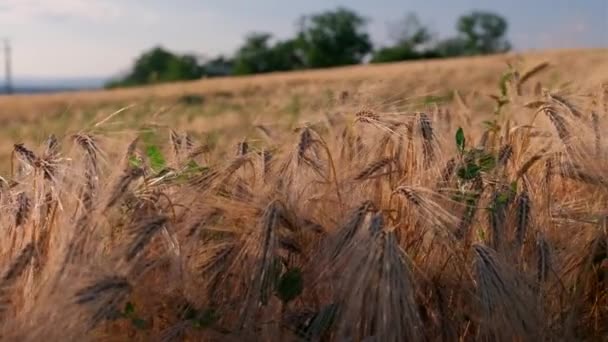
x,y
365,217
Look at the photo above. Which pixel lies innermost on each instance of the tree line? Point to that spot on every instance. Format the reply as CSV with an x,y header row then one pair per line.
x,y
331,38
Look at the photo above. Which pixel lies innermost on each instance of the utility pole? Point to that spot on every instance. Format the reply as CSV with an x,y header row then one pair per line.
x,y
7,67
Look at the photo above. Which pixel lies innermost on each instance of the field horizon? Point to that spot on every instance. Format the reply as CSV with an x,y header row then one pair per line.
x,y
206,85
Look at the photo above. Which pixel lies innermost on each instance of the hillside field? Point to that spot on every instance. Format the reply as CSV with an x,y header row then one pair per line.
x,y
444,200
235,105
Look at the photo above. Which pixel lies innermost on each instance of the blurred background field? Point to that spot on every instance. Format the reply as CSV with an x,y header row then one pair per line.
x,y
231,106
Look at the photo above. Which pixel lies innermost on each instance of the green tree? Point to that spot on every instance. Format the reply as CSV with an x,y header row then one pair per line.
x,y
258,55
160,65
410,38
479,33
218,66
286,55
254,56
452,47
483,33
333,38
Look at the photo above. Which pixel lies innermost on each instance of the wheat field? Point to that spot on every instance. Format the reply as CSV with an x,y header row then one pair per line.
x,y
457,200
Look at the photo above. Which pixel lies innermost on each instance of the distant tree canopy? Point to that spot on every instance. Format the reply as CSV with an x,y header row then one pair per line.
x,y
479,33
218,66
254,56
326,39
483,33
257,55
159,65
410,38
331,38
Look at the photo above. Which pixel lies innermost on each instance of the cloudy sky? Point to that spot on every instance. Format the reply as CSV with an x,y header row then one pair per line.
x,y
75,38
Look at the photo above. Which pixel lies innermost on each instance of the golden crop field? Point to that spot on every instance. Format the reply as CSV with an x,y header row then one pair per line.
x,y
444,200
238,103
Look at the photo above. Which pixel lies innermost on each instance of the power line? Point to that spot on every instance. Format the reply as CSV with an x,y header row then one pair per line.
x,y
7,67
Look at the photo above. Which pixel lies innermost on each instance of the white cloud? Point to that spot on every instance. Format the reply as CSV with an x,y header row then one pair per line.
x,y
28,10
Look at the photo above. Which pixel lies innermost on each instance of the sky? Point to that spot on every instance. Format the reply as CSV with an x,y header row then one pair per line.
x,y
101,38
